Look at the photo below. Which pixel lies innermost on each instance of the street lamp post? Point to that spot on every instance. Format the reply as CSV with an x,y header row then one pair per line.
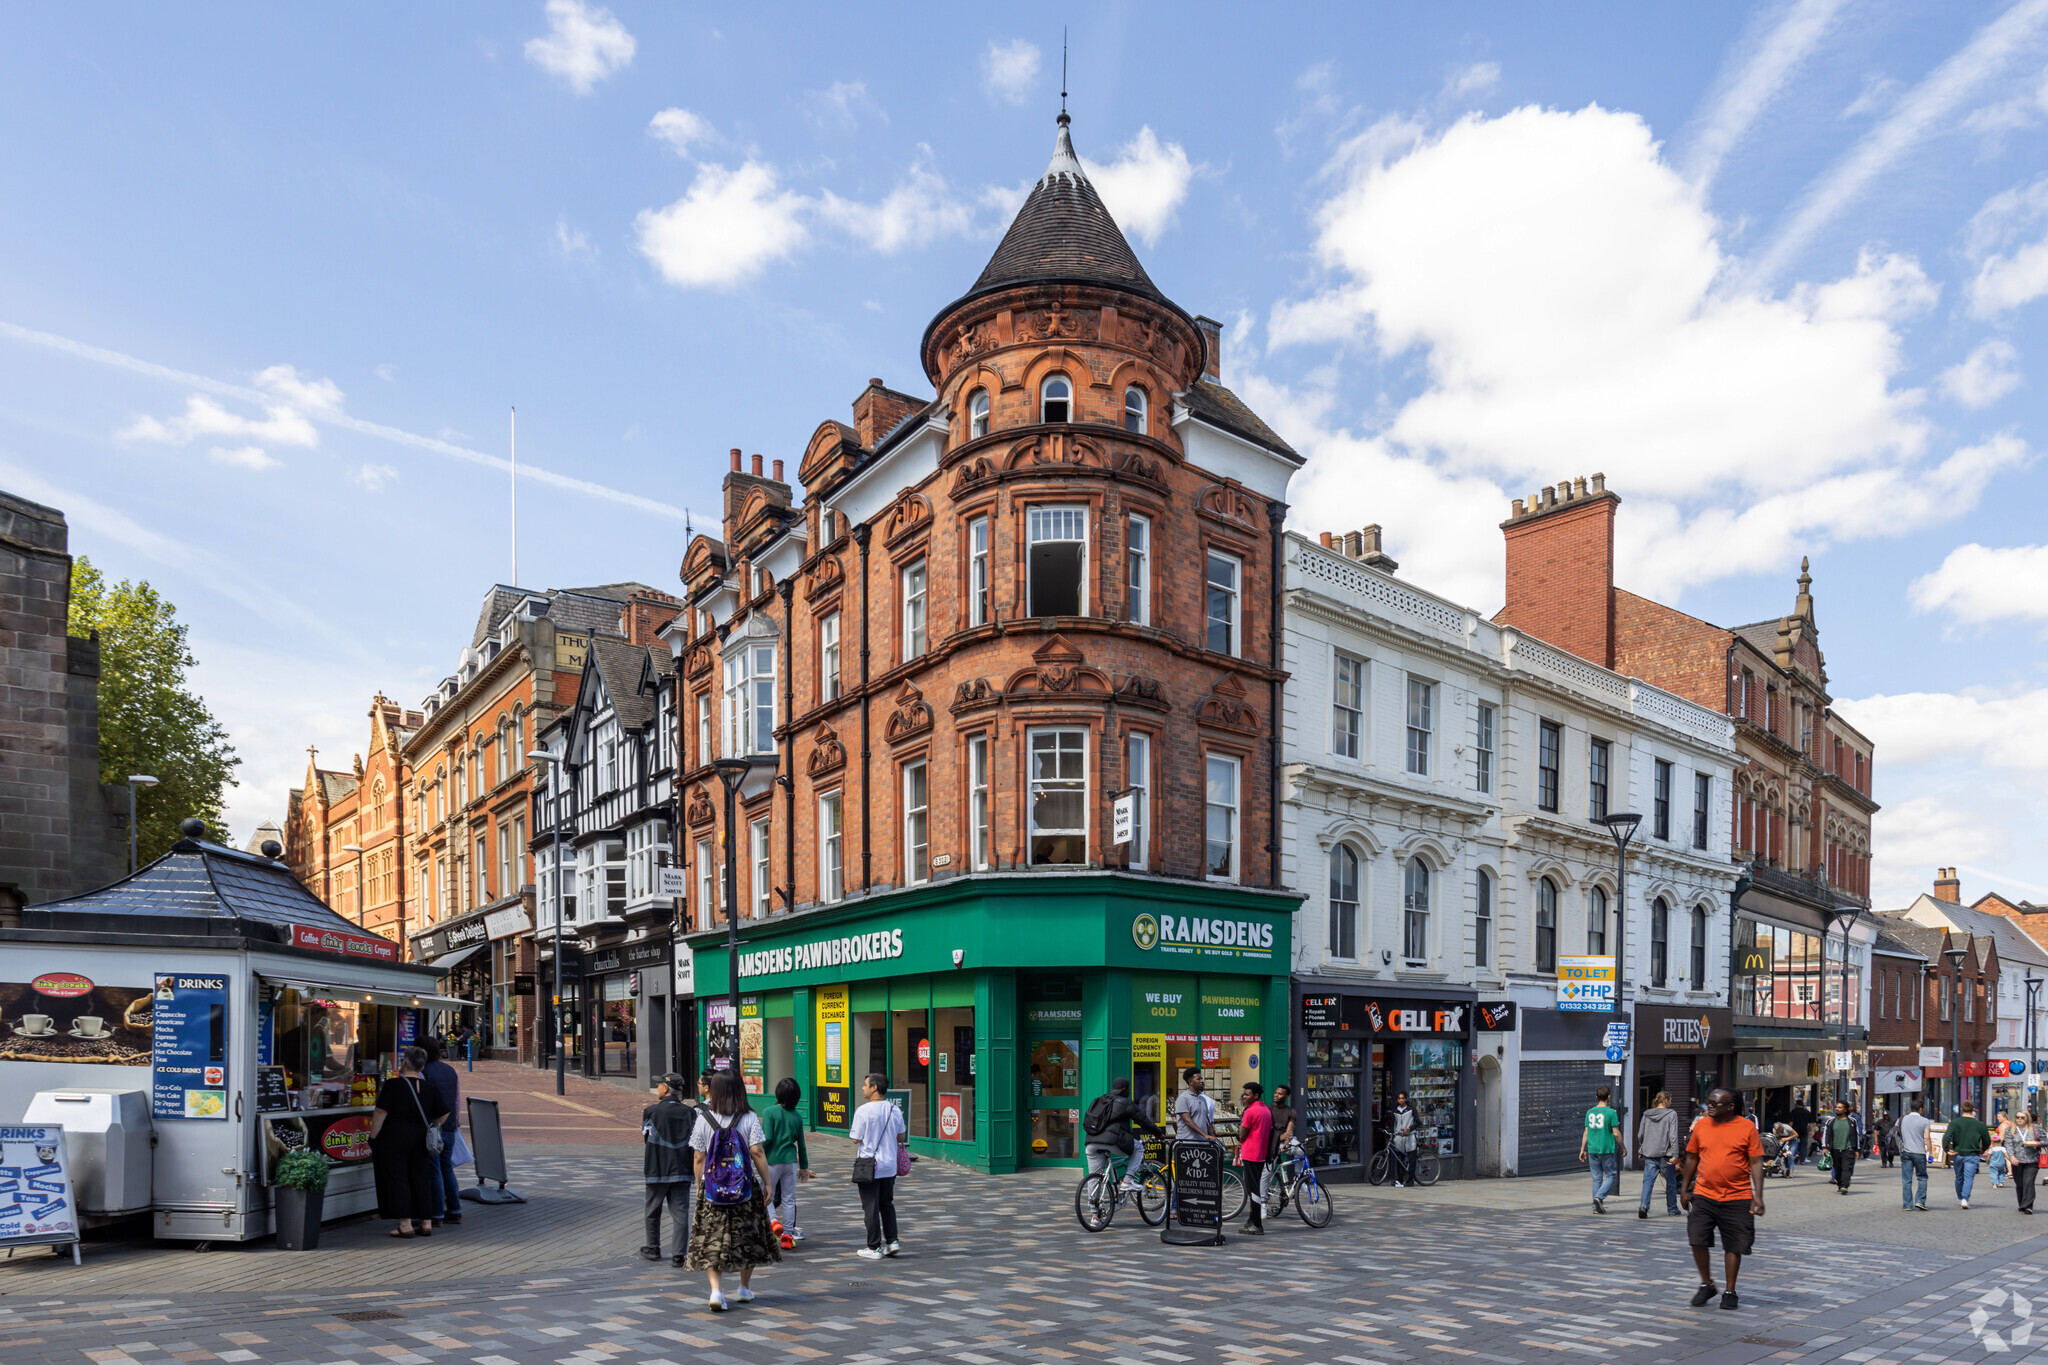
x,y
732,775
1623,827
357,849
554,763
134,780
1845,916
1955,958
2033,984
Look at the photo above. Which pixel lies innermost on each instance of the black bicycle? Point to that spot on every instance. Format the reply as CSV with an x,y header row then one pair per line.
x,y
1099,1196
1419,1167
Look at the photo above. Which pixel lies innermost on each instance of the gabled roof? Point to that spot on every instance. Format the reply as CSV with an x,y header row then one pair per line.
x,y
1888,942
1065,232
1218,406
336,786
498,604
1927,942
619,666
2013,943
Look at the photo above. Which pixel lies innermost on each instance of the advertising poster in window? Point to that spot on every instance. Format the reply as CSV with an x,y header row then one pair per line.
x,y
833,1018
949,1117
188,1065
719,1034
36,1204
63,1016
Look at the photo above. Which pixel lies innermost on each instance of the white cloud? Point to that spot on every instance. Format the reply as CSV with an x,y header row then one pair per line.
x,y
2012,270
841,105
1977,583
573,243
584,44
375,477
1983,377
2010,115
1759,67
386,372
2005,282
1008,70
1145,185
681,129
1472,82
300,390
915,213
243,457
283,425
726,229
1568,305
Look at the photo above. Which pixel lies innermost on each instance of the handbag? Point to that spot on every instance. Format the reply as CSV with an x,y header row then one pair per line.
x,y
435,1141
463,1155
863,1170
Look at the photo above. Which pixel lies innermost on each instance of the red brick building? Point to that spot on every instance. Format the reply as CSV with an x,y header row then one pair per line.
x,y
1958,1008
345,832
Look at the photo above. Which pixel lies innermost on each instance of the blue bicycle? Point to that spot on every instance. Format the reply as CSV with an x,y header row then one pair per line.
x,y
1294,1178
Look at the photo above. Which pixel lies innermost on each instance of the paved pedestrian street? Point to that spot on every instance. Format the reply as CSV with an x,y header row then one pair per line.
x,y
995,1269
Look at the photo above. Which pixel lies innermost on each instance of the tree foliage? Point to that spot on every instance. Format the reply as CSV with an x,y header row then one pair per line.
x,y
150,721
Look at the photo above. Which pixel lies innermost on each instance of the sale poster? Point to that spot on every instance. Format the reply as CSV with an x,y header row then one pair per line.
x,y
35,1187
188,1067
949,1117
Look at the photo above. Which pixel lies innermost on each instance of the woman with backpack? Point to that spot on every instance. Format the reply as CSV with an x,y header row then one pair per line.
x,y
730,1229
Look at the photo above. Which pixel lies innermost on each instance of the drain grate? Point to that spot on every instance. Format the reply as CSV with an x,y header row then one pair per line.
x,y
369,1315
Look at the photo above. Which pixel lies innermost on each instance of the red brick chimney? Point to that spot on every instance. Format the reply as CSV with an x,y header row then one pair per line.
x,y
1560,579
1212,349
878,409
1946,887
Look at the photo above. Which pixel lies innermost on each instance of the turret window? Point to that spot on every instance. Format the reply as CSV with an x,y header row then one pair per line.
x,y
1056,400
1059,552
1134,410
977,414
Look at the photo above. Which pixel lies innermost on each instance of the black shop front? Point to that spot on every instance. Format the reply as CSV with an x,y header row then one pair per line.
x,y
1361,1050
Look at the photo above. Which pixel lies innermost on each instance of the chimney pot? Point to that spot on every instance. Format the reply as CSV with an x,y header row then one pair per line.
x,y
757,466
1516,508
1354,545
1599,483
778,471
735,459
1550,495
1579,487
1327,538
876,384
1370,539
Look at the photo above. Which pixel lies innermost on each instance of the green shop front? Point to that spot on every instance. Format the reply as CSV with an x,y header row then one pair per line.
x,y
998,1007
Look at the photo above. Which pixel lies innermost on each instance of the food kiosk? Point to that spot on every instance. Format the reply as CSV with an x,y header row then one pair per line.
x,y
251,1018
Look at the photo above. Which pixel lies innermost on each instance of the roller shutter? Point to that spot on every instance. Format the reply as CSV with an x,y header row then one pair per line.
x,y
1554,1099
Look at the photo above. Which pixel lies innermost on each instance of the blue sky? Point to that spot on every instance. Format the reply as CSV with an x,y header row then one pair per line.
x,y
271,279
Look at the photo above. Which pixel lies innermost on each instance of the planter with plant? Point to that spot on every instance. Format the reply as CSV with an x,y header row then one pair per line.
x,y
299,1185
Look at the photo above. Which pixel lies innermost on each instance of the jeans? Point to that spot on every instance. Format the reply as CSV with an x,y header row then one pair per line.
x,y
1105,1161
447,1187
1911,1164
1250,1173
878,1207
782,1193
1606,1168
676,1195
1844,1164
1653,1166
1966,1173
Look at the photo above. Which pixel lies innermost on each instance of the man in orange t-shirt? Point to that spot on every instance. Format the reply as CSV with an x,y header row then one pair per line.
x,y
1721,1185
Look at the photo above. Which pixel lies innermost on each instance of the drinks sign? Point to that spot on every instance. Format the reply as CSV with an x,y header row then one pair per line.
x,y
188,1067
341,943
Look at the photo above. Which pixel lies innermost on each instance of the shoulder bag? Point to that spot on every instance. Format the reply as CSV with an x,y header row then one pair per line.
x,y
863,1167
434,1139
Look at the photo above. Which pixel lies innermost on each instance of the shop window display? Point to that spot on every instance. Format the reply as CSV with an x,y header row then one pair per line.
x,y
616,1024
1055,1076
1433,1067
1329,1098
952,1073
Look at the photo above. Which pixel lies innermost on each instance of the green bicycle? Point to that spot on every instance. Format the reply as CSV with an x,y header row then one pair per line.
x,y
1098,1197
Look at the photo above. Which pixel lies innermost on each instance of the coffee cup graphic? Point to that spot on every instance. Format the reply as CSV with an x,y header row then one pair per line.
x,y
35,1023
46,1155
90,1025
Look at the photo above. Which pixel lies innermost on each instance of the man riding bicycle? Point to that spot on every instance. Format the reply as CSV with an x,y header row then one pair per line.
x,y
1106,1128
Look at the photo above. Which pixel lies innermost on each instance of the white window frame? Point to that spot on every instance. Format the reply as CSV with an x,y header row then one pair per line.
x,y
1660,942
707,883
1482,920
1046,397
704,746
1347,706
483,869
831,847
1661,771
1343,910
979,840
1141,409
1421,725
505,857
1034,784
1485,735
1598,908
828,657
977,414
917,827
1415,908
916,599
979,584
750,699
1040,526
1599,793
1229,811
1138,777
1232,595
761,854
1138,570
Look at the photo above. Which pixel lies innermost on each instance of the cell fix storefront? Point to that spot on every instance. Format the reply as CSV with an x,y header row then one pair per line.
x,y
1360,1051
998,1007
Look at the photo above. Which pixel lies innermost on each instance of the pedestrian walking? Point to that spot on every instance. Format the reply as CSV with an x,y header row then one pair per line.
x,y
1994,1156
1658,1143
2023,1153
1801,1119
729,1229
789,1160
1844,1138
1403,1144
447,1187
1887,1129
1254,1144
668,1165
1107,1130
1601,1148
1965,1140
877,1131
407,1109
1722,1192
1911,1139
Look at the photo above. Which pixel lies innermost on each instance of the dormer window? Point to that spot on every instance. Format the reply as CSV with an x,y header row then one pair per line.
x,y
1134,410
977,414
1056,400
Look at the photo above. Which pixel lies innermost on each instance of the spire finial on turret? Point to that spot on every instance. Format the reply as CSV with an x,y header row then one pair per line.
x,y
1063,74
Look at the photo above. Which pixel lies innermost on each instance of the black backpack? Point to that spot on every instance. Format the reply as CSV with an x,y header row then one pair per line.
x,y
1096,1121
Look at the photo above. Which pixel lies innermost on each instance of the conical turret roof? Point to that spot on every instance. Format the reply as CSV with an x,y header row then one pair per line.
x,y
1065,232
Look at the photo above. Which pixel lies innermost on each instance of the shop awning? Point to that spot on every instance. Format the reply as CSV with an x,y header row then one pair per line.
x,y
335,987
448,962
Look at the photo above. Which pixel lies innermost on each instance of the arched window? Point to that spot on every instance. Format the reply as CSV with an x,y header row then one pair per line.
x,y
977,414
1134,409
1546,925
518,739
1344,903
1482,919
1596,921
504,749
1699,947
1660,942
461,783
1056,400
1415,912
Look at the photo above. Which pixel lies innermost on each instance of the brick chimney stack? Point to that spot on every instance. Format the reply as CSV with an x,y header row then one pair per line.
x,y
1212,349
1560,570
879,410
1946,887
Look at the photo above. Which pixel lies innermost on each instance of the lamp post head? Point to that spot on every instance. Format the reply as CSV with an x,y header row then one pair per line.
x,y
351,848
1955,957
1622,825
736,773
543,756
138,780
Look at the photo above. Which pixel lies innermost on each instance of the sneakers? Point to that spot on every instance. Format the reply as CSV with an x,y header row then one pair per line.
x,y
1643,1212
650,1253
869,1253
1599,1204
743,1295
892,1248
787,1242
1921,1206
1730,1302
1675,1213
676,1260
796,1234
1966,1203
1253,1230
716,1303
1704,1295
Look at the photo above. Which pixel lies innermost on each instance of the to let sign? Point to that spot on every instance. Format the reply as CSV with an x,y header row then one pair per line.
x,y
1585,983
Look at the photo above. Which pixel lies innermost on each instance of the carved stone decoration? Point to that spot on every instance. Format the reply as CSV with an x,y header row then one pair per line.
x,y
1225,707
1136,464
698,811
828,755
827,574
1057,667
1135,690
972,474
971,342
1059,448
911,717
975,693
699,662
1229,503
911,514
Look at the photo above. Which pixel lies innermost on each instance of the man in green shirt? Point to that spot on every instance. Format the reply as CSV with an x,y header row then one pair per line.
x,y
1965,1141
1601,1148
789,1160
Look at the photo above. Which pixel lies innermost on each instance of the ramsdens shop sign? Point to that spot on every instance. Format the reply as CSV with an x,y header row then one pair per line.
x,y
829,952
1194,934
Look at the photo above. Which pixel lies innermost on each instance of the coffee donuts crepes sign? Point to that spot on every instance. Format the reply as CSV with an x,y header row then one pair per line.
x,y
66,1016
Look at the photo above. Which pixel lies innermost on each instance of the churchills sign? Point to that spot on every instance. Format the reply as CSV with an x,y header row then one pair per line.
x,y
830,952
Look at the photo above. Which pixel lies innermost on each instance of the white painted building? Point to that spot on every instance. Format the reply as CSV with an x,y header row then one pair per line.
x,y
1440,783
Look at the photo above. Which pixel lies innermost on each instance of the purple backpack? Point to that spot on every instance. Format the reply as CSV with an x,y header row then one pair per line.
x,y
727,1171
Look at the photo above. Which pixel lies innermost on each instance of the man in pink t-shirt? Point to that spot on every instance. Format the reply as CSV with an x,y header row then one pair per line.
x,y
1254,1144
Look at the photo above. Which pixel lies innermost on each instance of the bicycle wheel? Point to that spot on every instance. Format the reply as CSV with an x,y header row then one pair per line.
x,y
1312,1202
1151,1180
1377,1172
1094,1203
1233,1194
1427,1169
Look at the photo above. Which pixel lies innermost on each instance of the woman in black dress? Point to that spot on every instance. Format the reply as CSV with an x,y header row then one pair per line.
x,y
406,1170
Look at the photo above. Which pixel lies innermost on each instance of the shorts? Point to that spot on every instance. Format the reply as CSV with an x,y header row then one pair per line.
x,y
1732,1217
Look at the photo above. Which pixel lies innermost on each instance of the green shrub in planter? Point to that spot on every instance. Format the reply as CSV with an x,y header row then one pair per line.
x,y
301,1170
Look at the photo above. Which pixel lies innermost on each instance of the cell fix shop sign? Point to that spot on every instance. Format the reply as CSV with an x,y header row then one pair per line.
x,y
188,1066
1205,936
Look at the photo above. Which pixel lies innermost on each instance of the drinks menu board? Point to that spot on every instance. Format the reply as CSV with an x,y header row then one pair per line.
x,y
189,1058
